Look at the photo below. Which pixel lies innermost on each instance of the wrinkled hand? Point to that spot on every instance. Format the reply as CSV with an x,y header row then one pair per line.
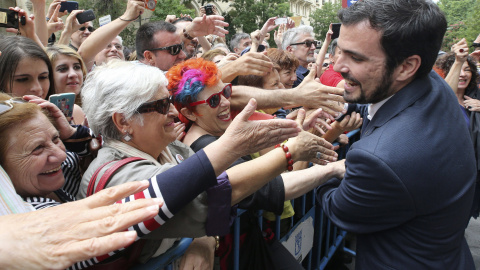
x,y
461,50
199,255
27,30
53,6
305,146
471,104
61,122
135,8
202,26
88,229
253,136
179,130
350,122
312,94
253,63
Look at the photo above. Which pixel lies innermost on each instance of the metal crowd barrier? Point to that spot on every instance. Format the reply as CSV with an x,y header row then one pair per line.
x,y
327,238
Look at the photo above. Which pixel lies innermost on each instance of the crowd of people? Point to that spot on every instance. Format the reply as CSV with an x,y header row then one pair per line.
x,y
170,138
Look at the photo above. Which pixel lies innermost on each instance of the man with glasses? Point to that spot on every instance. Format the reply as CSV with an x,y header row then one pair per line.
x,y
79,36
300,42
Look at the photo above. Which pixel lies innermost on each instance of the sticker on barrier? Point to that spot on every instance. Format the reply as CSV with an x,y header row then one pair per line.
x,y
300,241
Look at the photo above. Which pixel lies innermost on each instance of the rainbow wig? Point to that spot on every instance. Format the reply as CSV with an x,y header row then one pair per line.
x,y
187,79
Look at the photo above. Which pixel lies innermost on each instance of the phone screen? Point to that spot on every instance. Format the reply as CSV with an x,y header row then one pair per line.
x,y
336,30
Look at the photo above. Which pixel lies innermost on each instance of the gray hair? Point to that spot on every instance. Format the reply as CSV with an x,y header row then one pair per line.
x,y
118,87
291,35
236,40
218,45
333,46
120,39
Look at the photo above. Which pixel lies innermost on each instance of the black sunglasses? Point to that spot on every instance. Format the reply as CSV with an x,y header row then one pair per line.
x,y
214,100
161,106
172,49
90,28
308,43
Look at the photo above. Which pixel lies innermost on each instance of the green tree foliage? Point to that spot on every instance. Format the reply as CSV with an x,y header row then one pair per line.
x,y
170,7
249,15
320,20
462,17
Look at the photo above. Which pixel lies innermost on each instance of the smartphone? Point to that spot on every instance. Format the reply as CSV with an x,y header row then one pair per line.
x,y
151,4
281,21
68,6
336,30
64,102
85,16
8,18
208,9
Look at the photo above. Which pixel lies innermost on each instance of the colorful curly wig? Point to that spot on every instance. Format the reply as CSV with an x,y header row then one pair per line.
x,y
187,79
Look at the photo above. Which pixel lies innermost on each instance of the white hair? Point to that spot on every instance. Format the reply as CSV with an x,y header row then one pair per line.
x,y
291,35
120,39
118,87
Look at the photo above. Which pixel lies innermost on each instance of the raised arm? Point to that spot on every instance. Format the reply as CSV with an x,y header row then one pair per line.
x,y
461,53
40,21
99,39
251,63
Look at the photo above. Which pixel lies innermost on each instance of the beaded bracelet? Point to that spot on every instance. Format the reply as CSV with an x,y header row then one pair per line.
x,y
288,155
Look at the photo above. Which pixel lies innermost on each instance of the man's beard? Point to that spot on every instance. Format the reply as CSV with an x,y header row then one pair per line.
x,y
381,92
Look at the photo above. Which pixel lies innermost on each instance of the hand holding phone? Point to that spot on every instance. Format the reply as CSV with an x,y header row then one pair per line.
x,y
281,21
64,102
9,18
336,30
85,16
68,6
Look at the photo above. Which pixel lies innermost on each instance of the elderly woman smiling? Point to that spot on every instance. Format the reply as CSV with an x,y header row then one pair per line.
x,y
129,105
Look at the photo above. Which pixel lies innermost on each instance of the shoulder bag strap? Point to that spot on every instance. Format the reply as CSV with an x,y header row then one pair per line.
x,y
111,171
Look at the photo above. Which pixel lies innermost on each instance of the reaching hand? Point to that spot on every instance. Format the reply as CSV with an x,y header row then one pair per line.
x,y
461,50
205,25
253,63
278,36
312,94
53,6
90,227
253,136
55,23
471,104
199,255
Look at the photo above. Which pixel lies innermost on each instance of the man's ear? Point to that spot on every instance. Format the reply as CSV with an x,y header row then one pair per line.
x,y
188,114
148,55
289,48
121,123
408,68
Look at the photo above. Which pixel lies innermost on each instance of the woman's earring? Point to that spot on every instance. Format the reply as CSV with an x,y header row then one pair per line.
x,y
127,136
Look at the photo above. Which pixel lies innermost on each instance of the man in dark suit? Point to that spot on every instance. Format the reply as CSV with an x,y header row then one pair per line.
x,y
409,180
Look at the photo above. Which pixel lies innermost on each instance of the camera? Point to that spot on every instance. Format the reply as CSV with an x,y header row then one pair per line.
x,y
9,18
209,9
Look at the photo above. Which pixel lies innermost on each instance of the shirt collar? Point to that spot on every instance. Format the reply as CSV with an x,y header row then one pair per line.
x,y
374,107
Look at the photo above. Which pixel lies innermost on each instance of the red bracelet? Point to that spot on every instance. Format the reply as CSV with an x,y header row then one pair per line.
x,y
288,155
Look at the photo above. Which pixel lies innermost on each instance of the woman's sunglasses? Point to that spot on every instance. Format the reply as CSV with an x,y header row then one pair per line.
x,y
214,100
161,106
7,105
172,49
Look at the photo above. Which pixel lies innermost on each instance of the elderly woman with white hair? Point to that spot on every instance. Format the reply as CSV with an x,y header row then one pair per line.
x,y
129,105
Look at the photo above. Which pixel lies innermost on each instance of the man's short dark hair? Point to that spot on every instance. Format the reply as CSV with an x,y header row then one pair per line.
x,y
144,38
408,27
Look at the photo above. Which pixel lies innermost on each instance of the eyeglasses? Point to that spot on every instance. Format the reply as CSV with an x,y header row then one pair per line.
x,y
90,28
172,49
214,100
7,105
325,65
161,106
308,43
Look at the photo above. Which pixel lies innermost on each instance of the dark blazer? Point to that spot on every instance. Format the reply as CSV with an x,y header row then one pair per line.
x,y
409,183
